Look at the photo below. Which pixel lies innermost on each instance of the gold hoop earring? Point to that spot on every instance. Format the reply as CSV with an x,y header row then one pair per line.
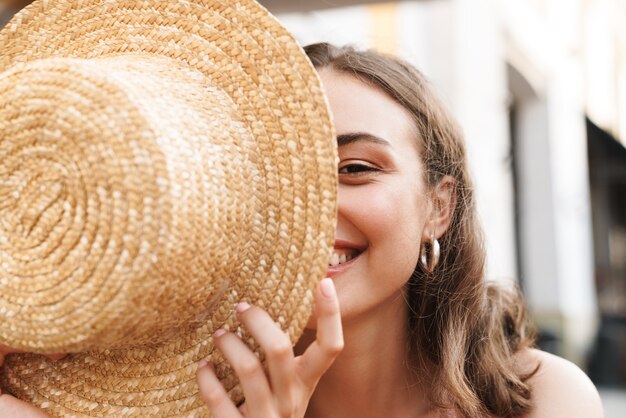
x,y
427,264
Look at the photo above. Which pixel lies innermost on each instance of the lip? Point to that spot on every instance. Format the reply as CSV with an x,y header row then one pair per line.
x,y
334,271
347,245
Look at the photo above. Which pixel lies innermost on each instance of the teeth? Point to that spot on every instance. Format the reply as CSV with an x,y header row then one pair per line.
x,y
336,258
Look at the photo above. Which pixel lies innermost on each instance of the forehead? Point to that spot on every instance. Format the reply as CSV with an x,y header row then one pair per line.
x,y
360,107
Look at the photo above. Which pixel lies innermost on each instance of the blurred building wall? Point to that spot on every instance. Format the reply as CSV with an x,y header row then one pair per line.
x,y
543,47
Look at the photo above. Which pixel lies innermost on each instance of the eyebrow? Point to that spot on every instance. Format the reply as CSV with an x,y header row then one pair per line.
x,y
349,138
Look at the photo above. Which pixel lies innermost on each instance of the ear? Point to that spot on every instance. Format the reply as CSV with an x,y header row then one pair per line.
x,y
442,206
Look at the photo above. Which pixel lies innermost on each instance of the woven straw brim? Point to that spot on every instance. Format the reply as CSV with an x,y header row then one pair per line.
x,y
48,226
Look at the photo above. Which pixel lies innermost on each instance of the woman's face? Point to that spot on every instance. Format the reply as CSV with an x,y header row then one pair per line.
x,y
383,208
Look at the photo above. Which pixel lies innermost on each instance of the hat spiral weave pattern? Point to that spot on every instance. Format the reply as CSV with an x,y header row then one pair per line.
x,y
160,161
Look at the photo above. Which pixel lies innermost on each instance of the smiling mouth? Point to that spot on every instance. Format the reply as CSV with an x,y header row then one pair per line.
x,y
342,256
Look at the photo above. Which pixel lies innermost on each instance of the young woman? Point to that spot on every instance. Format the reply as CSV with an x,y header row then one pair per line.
x,y
423,334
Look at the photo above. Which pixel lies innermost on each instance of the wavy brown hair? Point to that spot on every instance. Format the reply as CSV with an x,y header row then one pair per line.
x,y
464,332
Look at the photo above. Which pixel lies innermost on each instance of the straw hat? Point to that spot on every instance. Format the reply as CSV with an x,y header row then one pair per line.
x,y
160,161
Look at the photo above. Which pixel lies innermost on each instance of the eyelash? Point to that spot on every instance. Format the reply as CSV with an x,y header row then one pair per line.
x,y
363,169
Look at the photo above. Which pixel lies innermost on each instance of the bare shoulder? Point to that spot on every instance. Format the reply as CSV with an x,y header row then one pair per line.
x,y
559,388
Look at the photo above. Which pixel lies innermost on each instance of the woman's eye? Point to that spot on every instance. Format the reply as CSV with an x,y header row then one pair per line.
x,y
356,169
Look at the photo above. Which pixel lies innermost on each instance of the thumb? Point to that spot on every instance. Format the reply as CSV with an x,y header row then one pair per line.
x,y
13,407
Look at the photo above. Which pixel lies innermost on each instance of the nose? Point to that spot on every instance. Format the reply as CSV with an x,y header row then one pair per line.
x,y
346,215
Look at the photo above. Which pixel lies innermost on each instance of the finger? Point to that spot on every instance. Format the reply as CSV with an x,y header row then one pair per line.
x,y
278,352
329,337
249,370
13,407
213,394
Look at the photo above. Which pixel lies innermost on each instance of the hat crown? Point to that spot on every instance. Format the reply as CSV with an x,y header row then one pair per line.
x,y
122,152
278,178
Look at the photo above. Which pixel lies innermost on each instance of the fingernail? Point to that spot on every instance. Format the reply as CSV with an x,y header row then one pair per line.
x,y
219,333
202,363
242,307
328,288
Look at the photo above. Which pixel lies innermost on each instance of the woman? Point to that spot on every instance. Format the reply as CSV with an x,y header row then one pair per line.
x,y
430,341
426,341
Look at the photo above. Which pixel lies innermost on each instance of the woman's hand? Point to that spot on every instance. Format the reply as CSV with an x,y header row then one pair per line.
x,y
287,390
12,407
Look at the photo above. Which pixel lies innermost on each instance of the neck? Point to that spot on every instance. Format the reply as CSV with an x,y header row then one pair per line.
x,y
374,366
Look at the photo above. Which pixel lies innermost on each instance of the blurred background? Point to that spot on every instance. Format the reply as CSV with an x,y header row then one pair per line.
x,y
539,88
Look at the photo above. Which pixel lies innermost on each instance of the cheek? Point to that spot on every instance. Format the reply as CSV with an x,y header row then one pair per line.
x,y
391,220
